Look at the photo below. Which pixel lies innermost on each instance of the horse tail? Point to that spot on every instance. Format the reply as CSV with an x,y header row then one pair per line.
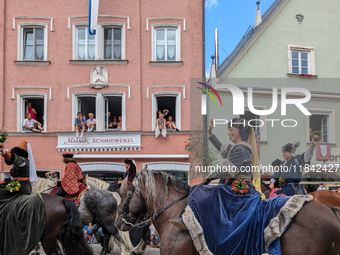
x,y
336,210
71,235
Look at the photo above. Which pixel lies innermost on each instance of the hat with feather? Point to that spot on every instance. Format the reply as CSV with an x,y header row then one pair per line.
x,y
291,147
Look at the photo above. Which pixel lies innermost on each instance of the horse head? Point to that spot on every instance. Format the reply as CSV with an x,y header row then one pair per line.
x,y
147,195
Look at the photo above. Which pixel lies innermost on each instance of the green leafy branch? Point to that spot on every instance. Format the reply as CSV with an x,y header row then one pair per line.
x,y
3,136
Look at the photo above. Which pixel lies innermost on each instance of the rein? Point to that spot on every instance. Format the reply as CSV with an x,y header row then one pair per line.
x,y
126,215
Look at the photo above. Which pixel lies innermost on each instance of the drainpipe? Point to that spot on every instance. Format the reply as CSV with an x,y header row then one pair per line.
x,y
2,82
205,117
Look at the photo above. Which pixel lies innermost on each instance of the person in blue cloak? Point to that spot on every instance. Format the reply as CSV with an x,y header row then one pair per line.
x,y
292,169
239,158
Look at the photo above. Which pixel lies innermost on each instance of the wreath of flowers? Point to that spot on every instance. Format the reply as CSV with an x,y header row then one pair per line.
x,y
240,187
13,186
76,201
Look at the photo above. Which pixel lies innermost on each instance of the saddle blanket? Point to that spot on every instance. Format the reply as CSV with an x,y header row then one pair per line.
x,y
221,222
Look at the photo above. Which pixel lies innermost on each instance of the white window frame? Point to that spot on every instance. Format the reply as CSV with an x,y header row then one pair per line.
x,y
76,26
311,56
99,39
116,94
21,109
20,43
263,129
155,107
100,35
178,40
75,97
100,111
331,123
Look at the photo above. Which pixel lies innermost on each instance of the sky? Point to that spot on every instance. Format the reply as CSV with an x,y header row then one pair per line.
x,y
232,18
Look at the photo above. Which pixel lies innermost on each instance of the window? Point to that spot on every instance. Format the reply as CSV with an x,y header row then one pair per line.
x,y
255,121
112,43
301,60
34,103
33,44
85,44
166,44
86,105
170,101
319,126
113,112
178,169
106,171
104,107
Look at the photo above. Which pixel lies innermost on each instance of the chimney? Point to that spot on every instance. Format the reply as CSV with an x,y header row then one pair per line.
x,y
258,19
216,49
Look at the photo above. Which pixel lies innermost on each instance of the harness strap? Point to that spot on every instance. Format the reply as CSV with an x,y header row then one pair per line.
x,y
21,178
144,223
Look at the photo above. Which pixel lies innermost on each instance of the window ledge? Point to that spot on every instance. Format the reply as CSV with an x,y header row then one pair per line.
x,y
302,75
32,63
166,63
99,62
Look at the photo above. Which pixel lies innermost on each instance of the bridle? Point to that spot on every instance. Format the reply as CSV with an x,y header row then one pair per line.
x,y
144,220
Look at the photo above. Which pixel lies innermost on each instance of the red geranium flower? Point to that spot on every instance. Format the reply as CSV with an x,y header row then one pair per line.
x,y
236,190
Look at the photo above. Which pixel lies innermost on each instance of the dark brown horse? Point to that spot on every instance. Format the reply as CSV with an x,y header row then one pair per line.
x,y
63,223
315,229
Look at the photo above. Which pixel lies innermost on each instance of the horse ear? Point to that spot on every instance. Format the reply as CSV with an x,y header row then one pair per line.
x,y
132,172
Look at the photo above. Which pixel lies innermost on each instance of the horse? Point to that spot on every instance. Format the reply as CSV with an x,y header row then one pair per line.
x,y
265,190
63,223
96,206
314,230
327,197
132,242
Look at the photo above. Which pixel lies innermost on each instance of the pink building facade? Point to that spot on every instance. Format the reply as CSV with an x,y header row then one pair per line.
x,y
141,60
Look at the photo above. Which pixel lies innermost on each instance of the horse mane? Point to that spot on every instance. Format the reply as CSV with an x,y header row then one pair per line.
x,y
42,185
96,183
146,181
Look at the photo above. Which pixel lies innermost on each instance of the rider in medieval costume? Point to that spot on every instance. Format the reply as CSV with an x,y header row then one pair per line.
x,y
292,168
239,157
22,216
73,177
